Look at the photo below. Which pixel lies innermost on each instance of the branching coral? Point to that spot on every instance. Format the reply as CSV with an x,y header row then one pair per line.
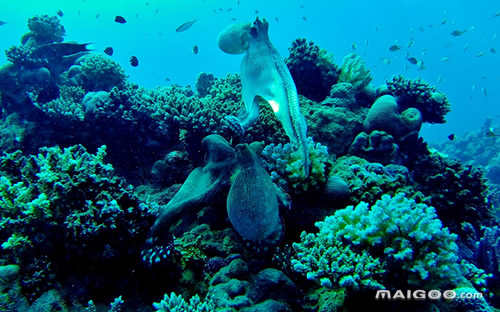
x,y
175,303
396,234
354,71
69,194
67,105
101,73
312,69
458,192
45,29
286,166
415,93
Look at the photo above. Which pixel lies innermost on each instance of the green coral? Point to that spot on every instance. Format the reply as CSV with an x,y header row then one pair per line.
x,y
70,194
175,303
354,71
286,166
396,234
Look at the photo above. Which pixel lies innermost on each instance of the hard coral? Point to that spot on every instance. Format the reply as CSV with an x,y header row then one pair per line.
x,y
286,166
418,94
354,71
45,29
395,234
312,69
101,73
68,194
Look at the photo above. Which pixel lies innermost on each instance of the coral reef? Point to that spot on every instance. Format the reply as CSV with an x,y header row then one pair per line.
x,y
100,73
312,69
357,245
71,194
354,71
432,104
44,29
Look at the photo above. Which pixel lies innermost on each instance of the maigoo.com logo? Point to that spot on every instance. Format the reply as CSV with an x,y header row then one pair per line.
x,y
420,294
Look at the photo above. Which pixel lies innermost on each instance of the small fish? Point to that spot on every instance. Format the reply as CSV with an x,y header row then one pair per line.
x,y
2,23
473,88
120,19
411,43
484,91
60,13
234,19
157,11
108,51
497,14
195,49
439,79
229,9
451,137
491,133
167,79
304,18
457,33
185,26
394,48
444,21
386,60
494,36
134,61
257,12
493,50
479,54
412,60
354,46
445,59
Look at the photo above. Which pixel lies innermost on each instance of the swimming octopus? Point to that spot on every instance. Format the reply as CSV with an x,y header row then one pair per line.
x,y
264,76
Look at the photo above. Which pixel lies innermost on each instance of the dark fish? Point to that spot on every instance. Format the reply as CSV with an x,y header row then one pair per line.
x,y
185,26
108,51
394,47
412,60
457,33
257,12
60,13
134,61
304,18
120,19
2,23
451,137
493,50
195,49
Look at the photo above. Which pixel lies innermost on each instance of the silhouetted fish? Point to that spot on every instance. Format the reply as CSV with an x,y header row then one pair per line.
x,y
195,49
2,23
185,26
134,61
60,13
394,48
412,60
451,137
457,32
108,51
120,19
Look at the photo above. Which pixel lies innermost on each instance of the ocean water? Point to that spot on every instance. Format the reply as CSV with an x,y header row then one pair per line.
x,y
151,196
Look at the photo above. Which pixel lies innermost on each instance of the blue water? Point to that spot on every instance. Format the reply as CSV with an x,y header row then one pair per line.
x,y
467,79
